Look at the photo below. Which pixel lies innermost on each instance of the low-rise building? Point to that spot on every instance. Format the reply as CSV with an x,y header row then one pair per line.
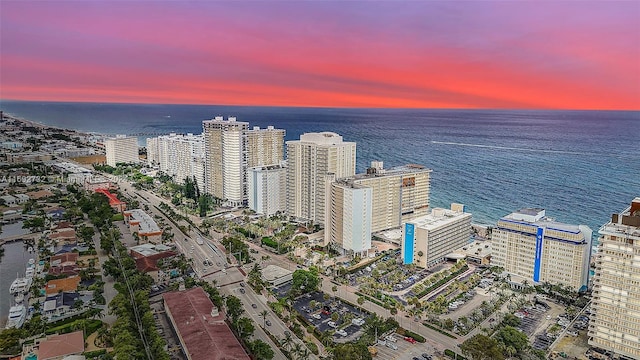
x,y
200,326
146,257
276,275
478,252
69,284
427,240
140,222
114,202
55,347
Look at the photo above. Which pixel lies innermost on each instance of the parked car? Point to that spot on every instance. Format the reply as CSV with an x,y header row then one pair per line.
x,y
392,345
426,356
316,316
332,324
242,291
341,332
410,339
391,338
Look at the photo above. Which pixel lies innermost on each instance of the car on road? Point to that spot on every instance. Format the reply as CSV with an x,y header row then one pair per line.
x,y
268,323
254,306
410,339
426,356
242,291
242,284
415,358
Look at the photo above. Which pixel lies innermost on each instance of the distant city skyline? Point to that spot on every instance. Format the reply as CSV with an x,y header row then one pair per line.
x,y
413,54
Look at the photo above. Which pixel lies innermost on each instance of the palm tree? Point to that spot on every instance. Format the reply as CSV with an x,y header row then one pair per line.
x,y
288,340
263,314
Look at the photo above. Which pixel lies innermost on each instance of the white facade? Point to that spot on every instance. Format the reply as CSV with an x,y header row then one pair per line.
x,y
427,240
615,319
349,227
226,159
311,161
121,149
400,194
529,245
267,187
179,156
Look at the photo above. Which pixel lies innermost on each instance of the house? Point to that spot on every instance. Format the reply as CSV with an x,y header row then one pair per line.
x,y
55,213
22,198
40,194
61,285
9,200
64,264
59,303
11,216
56,347
63,236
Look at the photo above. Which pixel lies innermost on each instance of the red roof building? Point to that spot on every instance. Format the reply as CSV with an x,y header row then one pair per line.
x,y
59,346
114,202
202,331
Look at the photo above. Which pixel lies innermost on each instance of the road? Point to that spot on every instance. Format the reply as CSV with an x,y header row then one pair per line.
x,y
277,327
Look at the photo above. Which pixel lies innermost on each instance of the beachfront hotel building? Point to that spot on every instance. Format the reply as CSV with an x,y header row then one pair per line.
x,y
267,187
536,249
179,156
615,319
400,194
427,240
350,214
226,159
121,149
312,162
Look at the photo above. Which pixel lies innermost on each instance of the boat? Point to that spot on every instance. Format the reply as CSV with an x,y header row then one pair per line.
x,y
19,298
29,273
32,261
20,285
17,315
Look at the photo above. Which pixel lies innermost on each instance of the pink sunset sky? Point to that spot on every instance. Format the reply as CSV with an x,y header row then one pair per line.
x,y
410,54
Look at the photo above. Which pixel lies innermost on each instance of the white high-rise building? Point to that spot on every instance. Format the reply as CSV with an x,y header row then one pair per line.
x,y
179,156
311,162
153,158
400,194
267,187
427,240
121,149
537,249
265,146
226,159
349,227
615,306
230,149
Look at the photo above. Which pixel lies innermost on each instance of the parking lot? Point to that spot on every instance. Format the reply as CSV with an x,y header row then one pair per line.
x,y
405,350
320,315
164,328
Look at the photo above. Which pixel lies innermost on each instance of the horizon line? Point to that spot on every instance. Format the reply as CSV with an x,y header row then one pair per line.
x,y
315,107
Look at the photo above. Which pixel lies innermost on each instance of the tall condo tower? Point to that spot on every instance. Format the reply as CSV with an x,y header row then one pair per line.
x,y
312,162
615,322
226,159
121,149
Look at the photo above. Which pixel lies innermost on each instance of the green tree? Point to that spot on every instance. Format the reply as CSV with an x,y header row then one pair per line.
x,y
511,320
305,281
10,341
245,327
352,351
510,336
261,350
234,307
481,347
263,314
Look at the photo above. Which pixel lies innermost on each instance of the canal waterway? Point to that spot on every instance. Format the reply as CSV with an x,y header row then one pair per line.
x,y
13,262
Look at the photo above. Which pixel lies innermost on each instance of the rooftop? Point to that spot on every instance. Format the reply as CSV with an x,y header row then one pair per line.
x,y
145,222
60,345
273,272
113,200
66,284
205,337
439,217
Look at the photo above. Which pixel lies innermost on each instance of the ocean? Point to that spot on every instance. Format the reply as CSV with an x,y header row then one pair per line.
x,y
581,166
